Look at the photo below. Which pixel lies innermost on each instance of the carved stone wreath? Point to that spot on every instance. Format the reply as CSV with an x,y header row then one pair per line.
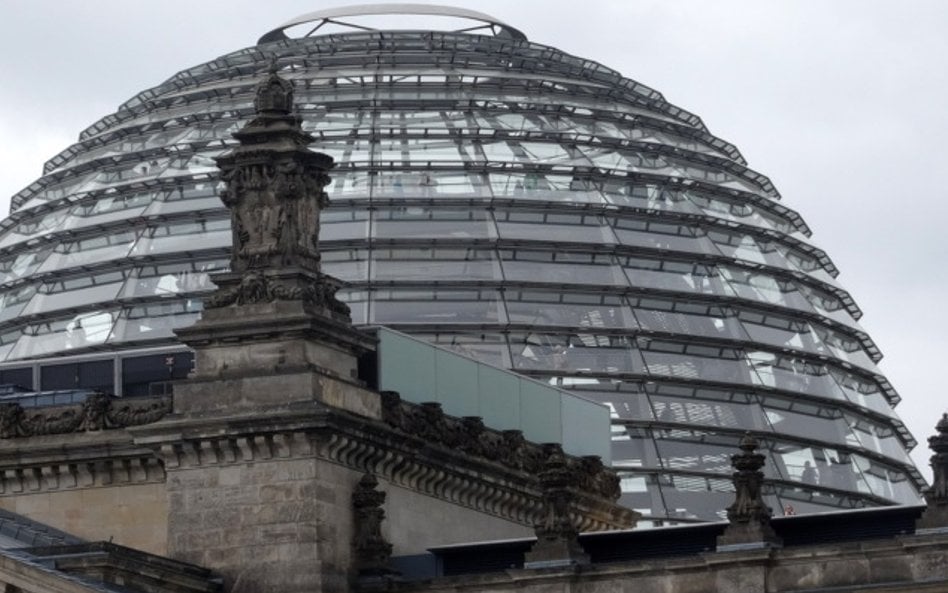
x,y
98,412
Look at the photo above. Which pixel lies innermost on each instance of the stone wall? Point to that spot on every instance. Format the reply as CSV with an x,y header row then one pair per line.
x,y
910,564
413,523
134,515
283,521
95,485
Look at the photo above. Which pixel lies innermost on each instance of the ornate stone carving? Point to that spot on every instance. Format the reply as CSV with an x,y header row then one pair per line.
x,y
557,536
371,551
936,515
255,287
749,515
274,95
430,424
273,186
98,412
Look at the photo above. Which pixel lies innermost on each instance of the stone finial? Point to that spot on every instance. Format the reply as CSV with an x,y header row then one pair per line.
x,y
557,537
936,515
274,95
749,515
371,551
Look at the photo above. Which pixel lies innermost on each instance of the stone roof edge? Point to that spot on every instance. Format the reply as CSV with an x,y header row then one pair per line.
x,y
309,429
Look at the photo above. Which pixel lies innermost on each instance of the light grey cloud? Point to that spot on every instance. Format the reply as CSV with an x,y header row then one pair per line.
x,y
841,104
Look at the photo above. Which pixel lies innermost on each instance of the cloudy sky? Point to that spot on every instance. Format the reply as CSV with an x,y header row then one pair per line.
x,y
843,104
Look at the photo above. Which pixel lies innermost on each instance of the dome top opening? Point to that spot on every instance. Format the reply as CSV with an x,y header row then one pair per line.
x,y
363,17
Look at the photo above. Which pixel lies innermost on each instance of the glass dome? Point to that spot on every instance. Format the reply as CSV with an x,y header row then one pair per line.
x,y
503,199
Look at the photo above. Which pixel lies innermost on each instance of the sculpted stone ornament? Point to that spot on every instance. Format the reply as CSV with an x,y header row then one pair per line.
x,y
557,538
275,312
428,423
936,515
98,412
371,551
273,185
749,515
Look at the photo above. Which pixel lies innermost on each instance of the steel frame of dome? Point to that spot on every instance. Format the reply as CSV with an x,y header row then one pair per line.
x,y
501,198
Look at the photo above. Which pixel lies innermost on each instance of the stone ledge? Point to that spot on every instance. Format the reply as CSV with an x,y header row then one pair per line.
x,y
365,445
69,462
900,565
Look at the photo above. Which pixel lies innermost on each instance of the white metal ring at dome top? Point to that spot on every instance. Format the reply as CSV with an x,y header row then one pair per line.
x,y
332,14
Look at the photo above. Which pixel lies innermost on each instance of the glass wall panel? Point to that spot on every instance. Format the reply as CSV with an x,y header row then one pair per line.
x,y
47,223
883,481
187,236
626,401
793,374
878,438
80,331
805,420
490,348
544,188
693,319
23,264
348,265
156,320
640,492
12,301
633,447
551,309
352,185
93,374
110,208
862,392
174,278
436,306
410,222
574,352
695,361
560,267
658,234
544,225
696,412
66,298
679,276
90,250
646,196
433,265
429,184
344,225
697,497
778,330
418,151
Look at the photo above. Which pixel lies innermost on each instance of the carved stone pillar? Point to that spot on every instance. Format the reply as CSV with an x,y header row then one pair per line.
x,y
275,312
936,515
557,537
749,515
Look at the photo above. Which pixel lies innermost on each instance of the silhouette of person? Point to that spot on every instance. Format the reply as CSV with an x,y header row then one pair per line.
x,y
809,473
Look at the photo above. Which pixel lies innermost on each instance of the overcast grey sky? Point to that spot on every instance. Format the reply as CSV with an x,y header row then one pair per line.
x,y
843,104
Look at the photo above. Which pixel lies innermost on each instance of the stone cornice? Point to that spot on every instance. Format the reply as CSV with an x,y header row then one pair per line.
x,y
481,469
313,430
75,461
77,446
